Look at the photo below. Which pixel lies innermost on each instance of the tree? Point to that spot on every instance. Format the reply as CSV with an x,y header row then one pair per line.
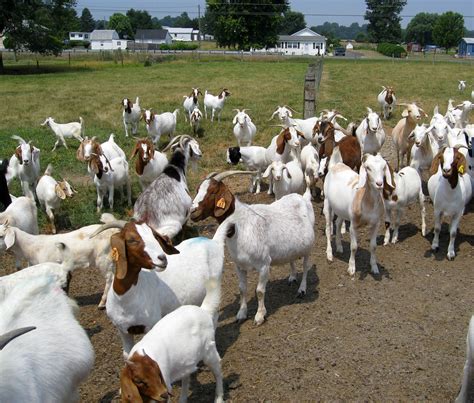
x,y
87,21
292,22
37,26
183,21
420,28
121,24
246,25
448,30
100,24
139,19
384,20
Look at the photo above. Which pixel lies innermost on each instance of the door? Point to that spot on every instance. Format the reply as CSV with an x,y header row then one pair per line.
x,y
306,48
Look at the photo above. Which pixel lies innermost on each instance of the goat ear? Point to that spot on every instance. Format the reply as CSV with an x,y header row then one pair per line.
x,y
165,243
80,152
281,141
299,134
119,255
461,163
405,113
135,150
59,191
223,203
267,171
389,176
234,121
18,154
152,149
362,177
435,163
287,172
129,391
9,238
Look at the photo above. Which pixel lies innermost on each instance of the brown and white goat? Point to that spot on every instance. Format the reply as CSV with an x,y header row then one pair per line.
x,y
131,115
109,149
191,102
387,101
149,163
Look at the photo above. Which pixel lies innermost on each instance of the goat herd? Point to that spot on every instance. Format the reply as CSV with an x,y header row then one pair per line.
x,y
179,286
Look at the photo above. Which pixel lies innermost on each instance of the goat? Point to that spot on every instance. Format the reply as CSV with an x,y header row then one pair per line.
x,y
407,183
215,103
157,361
370,133
164,205
109,149
410,115
461,85
65,130
387,101
149,164
254,159
305,126
138,247
157,125
450,190
86,253
356,198
25,164
5,197
107,176
459,116
309,158
49,363
259,235
191,102
424,148
244,128
284,184
467,387
439,127
131,115
50,193
195,119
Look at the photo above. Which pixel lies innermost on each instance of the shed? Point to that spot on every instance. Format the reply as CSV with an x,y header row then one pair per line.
x,y
466,47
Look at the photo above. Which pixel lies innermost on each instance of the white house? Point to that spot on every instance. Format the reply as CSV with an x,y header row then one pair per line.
x,y
79,36
304,42
106,39
183,34
153,36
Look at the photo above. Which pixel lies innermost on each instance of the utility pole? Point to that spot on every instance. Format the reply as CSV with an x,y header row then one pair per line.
x,y
199,25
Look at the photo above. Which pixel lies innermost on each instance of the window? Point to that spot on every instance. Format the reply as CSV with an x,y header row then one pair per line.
x,y
86,36
80,35
298,45
119,43
73,35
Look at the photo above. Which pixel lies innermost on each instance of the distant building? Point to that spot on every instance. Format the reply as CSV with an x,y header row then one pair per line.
x,y
106,39
183,34
151,38
79,36
304,42
466,47
414,47
349,46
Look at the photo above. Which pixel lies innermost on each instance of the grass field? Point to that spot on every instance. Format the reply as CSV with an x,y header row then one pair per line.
x,y
94,91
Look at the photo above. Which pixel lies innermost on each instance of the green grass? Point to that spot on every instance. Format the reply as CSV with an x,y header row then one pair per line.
x,y
93,90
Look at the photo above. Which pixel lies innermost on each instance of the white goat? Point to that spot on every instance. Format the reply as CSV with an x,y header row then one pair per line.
x,y
459,116
191,102
135,284
310,164
305,126
244,128
461,85
158,360
254,159
258,235
467,386
25,164
149,164
356,198
65,130
131,115
157,125
370,133
50,193
195,119
109,149
387,101
215,103
407,190
86,253
284,184
424,148
450,190
22,214
45,353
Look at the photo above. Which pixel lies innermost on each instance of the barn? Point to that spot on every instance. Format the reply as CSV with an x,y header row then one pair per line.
x,y
466,47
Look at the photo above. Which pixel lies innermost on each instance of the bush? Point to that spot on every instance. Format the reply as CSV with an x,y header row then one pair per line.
x,y
179,46
75,44
391,50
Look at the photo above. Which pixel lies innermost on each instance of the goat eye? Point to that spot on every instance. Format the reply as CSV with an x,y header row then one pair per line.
x,y
132,241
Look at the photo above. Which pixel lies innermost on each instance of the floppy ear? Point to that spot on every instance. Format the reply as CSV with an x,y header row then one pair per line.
x,y
461,163
223,202
35,152
9,238
80,152
152,149
405,113
59,192
389,176
18,154
435,163
299,134
267,171
119,255
135,150
234,121
195,148
287,172
165,243
128,389
362,177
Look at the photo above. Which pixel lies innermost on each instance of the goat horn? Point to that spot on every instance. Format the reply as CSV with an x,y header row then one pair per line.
x,y
172,142
114,224
290,108
283,126
245,110
9,336
237,110
211,175
220,176
273,115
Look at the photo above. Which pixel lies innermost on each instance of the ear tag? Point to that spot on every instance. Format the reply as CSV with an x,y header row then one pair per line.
x,y
114,254
461,169
221,203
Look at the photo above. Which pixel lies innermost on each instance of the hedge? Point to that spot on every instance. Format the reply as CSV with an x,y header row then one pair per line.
x,y
179,46
391,50
74,44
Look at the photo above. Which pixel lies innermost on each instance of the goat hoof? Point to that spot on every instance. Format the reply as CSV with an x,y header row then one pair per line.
x,y
101,307
258,321
435,249
301,294
451,256
292,280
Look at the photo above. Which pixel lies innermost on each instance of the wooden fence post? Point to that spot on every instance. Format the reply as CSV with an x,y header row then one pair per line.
x,y
311,87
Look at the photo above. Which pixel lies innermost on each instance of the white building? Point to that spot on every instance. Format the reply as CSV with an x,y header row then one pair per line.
x,y
301,43
183,34
152,36
106,39
79,36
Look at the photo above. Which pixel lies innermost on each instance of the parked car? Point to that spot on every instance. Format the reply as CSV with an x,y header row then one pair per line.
x,y
340,51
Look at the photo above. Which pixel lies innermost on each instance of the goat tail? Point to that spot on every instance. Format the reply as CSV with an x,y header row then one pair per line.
x,y
49,170
137,101
175,112
213,296
82,126
112,138
307,195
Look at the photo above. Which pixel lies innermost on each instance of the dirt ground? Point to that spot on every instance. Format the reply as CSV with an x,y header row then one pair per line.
x,y
397,336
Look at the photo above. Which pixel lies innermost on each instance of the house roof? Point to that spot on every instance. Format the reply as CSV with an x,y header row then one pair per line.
x,y
151,34
173,30
304,34
468,40
104,35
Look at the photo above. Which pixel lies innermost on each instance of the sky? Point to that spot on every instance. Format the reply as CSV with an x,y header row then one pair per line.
x,y
316,12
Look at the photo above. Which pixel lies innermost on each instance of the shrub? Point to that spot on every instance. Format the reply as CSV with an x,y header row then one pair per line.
x,y
179,46
391,50
75,44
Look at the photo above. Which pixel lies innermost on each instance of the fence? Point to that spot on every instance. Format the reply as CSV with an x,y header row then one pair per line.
x,y
312,81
